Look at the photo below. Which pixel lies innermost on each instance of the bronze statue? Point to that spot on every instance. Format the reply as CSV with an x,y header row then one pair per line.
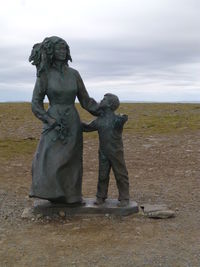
x,y
57,165
111,155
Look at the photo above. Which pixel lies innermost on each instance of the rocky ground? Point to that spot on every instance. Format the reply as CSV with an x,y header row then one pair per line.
x,y
164,168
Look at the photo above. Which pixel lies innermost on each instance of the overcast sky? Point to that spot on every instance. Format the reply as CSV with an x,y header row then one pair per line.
x,y
141,50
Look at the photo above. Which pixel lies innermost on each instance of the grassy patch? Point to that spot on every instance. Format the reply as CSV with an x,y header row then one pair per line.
x,y
161,118
13,148
18,122
20,130
157,118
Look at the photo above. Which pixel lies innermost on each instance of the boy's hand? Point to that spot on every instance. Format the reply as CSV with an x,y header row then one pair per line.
x,y
84,125
125,117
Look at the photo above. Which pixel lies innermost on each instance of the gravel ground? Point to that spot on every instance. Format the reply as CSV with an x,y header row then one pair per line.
x,y
163,169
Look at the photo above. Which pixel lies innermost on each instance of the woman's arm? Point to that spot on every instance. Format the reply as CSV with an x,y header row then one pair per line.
x,y
37,101
85,100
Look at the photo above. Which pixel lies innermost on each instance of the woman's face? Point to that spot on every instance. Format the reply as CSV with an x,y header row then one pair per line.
x,y
60,51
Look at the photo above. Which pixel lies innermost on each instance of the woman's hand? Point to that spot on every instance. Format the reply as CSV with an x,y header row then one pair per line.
x,y
51,121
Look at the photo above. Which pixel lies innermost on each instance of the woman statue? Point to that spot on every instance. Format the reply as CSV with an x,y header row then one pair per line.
x,y
57,164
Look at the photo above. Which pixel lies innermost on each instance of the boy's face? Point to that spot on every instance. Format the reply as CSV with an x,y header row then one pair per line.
x,y
105,102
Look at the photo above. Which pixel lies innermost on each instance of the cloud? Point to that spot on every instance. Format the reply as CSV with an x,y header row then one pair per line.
x,y
141,50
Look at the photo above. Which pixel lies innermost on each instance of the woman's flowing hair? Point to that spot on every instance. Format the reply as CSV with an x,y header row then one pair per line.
x,y
42,54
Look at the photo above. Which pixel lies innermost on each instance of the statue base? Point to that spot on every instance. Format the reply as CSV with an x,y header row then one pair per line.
x,y
46,208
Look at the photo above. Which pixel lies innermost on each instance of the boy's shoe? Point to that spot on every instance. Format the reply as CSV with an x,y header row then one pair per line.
x,y
123,203
99,201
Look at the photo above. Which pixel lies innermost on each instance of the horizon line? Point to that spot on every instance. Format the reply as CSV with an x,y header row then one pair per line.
x,y
122,101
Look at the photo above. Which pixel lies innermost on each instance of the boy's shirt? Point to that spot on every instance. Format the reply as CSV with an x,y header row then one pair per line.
x,y
109,127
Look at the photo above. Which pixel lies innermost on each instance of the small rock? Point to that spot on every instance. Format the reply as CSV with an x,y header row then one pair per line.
x,y
147,145
138,230
153,207
161,214
38,216
62,213
86,219
68,224
17,164
158,211
26,213
30,138
76,228
106,215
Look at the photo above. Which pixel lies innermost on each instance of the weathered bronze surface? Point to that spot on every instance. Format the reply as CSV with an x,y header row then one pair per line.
x,y
57,165
111,154
110,207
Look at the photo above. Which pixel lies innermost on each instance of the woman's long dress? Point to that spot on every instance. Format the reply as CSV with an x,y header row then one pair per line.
x,y
57,165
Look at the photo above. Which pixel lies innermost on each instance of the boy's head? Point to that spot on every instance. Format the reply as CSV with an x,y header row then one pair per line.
x,y
110,101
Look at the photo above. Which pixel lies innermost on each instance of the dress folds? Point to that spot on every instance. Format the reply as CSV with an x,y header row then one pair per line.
x,y
57,165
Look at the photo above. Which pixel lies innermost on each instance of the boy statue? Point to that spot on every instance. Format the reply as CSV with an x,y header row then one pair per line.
x,y
111,154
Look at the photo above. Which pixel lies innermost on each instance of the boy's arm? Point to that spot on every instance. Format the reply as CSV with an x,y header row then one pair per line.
x,y
121,120
90,127
124,118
